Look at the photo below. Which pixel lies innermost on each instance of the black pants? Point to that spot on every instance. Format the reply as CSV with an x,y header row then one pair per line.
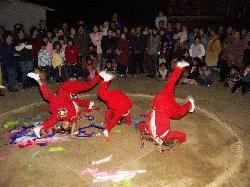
x,y
122,69
138,62
224,70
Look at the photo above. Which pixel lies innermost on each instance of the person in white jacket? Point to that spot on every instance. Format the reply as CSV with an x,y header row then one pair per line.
x,y
197,49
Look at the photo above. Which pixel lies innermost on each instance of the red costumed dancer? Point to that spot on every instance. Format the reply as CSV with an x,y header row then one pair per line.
x,y
118,103
63,105
164,108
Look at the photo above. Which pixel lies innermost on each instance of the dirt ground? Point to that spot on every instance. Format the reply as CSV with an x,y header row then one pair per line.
x,y
216,152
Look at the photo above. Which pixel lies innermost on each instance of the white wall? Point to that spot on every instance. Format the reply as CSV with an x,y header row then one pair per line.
x,y
28,14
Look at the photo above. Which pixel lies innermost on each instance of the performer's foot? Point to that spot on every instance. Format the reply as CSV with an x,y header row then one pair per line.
x,y
182,64
106,134
37,130
106,76
191,100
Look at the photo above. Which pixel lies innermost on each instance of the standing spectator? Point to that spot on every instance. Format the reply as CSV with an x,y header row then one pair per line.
x,y
64,68
105,28
44,60
36,44
123,54
82,41
246,58
236,51
204,37
1,35
116,20
59,34
138,46
197,49
161,17
224,68
25,59
72,32
183,34
170,34
213,50
42,28
109,46
96,38
65,29
71,55
7,54
153,49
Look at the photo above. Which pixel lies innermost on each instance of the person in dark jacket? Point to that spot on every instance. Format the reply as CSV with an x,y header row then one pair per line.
x,y
25,58
138,47
7,54
36,44
109,46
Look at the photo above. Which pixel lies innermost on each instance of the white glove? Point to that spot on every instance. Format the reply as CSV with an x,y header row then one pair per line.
x,y
19,48
191,100
182,64
34,76
91,104
106,76
28,46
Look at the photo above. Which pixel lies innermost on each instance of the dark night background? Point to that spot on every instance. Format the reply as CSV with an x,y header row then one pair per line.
x,y
144,11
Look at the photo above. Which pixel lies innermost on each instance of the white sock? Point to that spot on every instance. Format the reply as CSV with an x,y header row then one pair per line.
x,y
192,105
106,133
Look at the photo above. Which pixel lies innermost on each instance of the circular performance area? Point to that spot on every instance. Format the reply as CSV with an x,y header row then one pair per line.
x,y
211,154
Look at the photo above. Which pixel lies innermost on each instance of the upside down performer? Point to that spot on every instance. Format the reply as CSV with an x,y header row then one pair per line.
x,y
118,103
64,105
164,108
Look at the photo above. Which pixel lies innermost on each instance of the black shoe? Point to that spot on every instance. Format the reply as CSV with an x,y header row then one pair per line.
x,y
1,94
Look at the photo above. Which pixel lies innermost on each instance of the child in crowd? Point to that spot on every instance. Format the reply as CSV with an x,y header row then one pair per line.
x,y
205,76
44,60
57,62
71,56
64,68
49,45
89,69
162,73
234,76
110,67
191,74
244,82
165,54
91,52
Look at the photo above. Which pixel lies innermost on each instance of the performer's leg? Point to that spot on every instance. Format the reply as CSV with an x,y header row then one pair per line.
x,y
128,119
180,136
170,85
111,123
108,115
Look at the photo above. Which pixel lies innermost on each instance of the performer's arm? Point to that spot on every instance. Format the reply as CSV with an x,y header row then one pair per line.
x,y
46,93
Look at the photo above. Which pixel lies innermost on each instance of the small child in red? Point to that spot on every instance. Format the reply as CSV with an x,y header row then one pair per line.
x,y
71,56
63,105
164,108
118,103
